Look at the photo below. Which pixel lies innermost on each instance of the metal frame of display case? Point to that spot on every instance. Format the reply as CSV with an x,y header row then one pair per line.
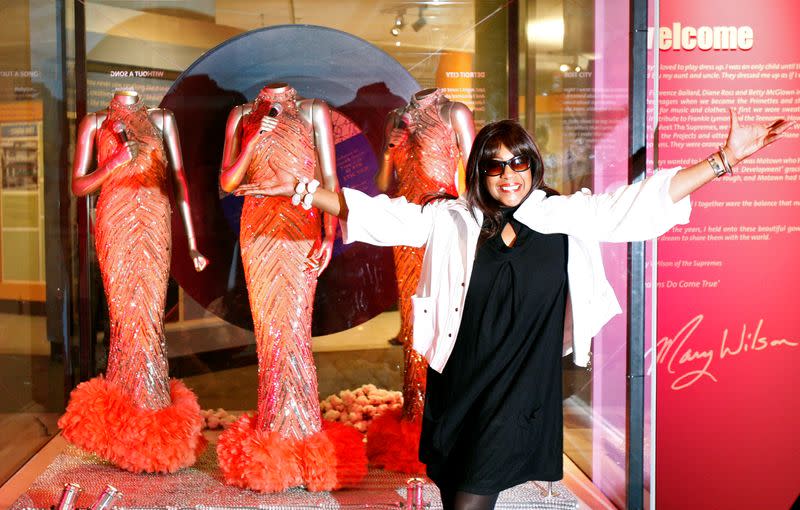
x,y
84,366
636,316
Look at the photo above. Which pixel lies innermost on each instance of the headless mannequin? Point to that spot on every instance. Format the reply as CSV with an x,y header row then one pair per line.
x,y
454,114
401,125
424,141
84,183
279,138
239,165
137,152
236,159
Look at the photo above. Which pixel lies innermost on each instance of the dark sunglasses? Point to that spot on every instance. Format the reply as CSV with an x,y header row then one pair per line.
x,y
495,167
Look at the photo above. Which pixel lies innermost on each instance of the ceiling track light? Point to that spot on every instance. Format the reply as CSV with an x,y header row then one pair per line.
x,y
399,23
421,19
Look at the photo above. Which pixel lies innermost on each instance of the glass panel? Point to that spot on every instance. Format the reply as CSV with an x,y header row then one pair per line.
x,y
33,281
459,47
651,272
573,95
576,102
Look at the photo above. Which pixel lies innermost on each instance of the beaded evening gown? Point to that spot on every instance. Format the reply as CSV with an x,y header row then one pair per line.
x,y
132,238
425,163
285,444
276,239
135,417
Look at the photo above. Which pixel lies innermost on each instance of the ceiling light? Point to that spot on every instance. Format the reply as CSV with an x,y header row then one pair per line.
x,y
421,21
397,43
577,69
399,21
395,31
547,33
563,68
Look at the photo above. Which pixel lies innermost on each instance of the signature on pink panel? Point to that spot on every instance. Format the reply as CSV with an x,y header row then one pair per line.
x,y
689,365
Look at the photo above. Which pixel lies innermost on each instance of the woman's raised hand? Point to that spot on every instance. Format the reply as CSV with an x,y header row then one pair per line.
x,y
744,141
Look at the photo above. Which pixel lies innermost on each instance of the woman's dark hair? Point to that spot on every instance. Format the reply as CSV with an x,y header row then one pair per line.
x,y
512,135
490,138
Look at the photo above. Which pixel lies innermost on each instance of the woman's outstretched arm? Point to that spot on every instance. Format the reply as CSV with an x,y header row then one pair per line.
x,y
327,201
380,220
648,208
742,142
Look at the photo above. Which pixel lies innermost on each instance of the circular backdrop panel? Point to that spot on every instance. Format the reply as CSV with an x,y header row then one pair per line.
x,y
361,83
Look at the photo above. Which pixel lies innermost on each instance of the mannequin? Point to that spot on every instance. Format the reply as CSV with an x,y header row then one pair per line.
x,y
424,141
136,150
281,138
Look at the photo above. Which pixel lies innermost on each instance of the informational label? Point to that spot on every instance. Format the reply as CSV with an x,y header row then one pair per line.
x,y
19,156
460,82
728,336
585,109
20,73
151,84
21,253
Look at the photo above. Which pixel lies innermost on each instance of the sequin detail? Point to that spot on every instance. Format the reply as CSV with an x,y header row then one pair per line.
x,y
425,163
133,242
276,239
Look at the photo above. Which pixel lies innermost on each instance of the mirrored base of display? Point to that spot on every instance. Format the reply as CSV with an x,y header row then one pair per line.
x,y
201,487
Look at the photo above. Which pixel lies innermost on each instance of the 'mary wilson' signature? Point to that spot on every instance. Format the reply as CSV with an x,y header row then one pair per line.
x,y
691,365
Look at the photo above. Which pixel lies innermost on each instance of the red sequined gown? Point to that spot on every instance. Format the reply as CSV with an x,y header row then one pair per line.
x,y
426,162
132,237
276,239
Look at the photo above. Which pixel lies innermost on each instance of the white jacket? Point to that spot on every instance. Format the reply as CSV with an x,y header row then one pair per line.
x,y
450,233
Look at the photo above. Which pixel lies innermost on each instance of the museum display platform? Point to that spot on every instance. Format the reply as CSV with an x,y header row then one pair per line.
x,y
201,486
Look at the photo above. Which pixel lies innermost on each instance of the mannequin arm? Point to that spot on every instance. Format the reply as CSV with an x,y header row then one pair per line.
x,y
84,182
384,179
172,146
235,161
326,156
464,127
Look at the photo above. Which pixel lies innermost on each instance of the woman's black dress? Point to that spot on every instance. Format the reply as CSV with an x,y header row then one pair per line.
x,y
493,417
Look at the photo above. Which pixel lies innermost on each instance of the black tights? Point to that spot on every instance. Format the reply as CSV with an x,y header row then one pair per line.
x,y
460,500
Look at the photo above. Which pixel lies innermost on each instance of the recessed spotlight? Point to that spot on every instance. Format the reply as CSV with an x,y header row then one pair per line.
x,y
397,43
577,69
395,31
399,21
563,68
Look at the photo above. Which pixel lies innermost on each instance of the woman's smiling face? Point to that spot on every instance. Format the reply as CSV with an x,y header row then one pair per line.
x,y
510,187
